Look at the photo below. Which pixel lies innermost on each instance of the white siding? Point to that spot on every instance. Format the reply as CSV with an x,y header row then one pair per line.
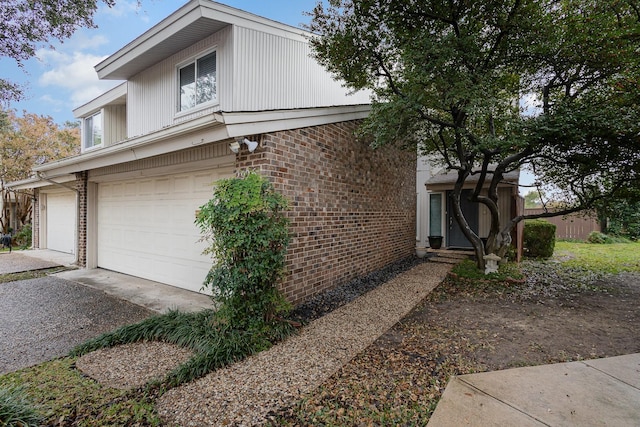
x,y
209,156
273,72
151,103
256,71
115,124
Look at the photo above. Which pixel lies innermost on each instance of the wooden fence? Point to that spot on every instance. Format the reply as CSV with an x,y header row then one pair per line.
x,y
576,226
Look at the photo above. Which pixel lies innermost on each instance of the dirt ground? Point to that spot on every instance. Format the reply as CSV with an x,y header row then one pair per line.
x,y
555,316
600,320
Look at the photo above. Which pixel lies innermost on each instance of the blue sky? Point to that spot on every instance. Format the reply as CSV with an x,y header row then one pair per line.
x,y
61,79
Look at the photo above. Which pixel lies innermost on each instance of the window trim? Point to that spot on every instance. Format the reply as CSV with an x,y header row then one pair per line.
x,y
194,60
85,146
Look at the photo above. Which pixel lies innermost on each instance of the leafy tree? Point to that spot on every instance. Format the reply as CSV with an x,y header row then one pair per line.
x,y
26,25
533,199
448,77
621,217
26,142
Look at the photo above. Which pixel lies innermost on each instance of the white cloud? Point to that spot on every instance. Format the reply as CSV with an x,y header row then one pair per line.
x,y
121,8
74,74
48,99
70,70
81,41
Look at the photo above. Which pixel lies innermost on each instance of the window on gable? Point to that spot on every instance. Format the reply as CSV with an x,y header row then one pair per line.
x,y
197,82
93,131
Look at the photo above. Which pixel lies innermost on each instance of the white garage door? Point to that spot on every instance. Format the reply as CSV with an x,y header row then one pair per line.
x,y
61,221
146,227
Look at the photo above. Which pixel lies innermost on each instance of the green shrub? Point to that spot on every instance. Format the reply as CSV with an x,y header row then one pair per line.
x,y
16,409
539,238
597,237
248,231
601,238
23,238
249,235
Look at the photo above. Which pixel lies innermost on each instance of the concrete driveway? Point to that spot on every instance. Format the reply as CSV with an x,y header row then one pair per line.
x,y
44,318
17,262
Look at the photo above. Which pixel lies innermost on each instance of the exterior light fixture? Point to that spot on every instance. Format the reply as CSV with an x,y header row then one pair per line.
x,y
235,145
251,145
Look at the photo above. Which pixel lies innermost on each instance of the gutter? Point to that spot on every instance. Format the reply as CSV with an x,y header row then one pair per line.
x,y
129,146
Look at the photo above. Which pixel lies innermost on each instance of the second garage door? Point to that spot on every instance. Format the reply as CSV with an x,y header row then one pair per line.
x,y
61,221
146,227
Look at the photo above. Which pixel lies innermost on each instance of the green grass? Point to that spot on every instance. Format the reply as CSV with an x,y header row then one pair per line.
x,y
63,396
33,274
612,258
468,269
466,278
16,409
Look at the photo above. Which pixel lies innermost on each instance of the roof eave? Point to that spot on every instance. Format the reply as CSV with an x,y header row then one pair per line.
x,y
192,22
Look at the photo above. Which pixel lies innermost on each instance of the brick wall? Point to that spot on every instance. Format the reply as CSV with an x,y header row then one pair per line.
x,y
352,208
35,235
81,186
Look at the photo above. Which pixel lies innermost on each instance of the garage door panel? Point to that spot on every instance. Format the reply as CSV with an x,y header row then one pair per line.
x,y
182,184
146,227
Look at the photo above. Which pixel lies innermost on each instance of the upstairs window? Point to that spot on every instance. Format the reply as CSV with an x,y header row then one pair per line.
x,y
93,131
197,82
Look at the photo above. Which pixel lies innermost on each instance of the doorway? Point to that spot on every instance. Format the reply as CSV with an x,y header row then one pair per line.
x,y
455,236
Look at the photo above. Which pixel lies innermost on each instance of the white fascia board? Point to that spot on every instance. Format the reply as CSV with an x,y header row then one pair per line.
x,y
253,123
203,130
230,15
35,182
97,103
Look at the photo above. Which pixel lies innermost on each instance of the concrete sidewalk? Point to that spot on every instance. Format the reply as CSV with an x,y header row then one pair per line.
x,y
600,392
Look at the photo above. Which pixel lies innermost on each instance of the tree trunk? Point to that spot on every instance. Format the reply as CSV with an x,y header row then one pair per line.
x,y
475,240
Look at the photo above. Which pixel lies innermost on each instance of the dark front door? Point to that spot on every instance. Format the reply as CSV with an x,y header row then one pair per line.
x,y
455,237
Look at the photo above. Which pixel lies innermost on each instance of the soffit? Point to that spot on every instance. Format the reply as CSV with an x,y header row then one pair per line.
x,y
147,54
445,180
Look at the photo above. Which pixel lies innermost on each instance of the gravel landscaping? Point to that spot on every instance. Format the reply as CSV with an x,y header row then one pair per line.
x,y
384,357
341,324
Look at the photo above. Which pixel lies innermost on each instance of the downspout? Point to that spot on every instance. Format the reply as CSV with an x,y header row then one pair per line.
x,y
75,190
